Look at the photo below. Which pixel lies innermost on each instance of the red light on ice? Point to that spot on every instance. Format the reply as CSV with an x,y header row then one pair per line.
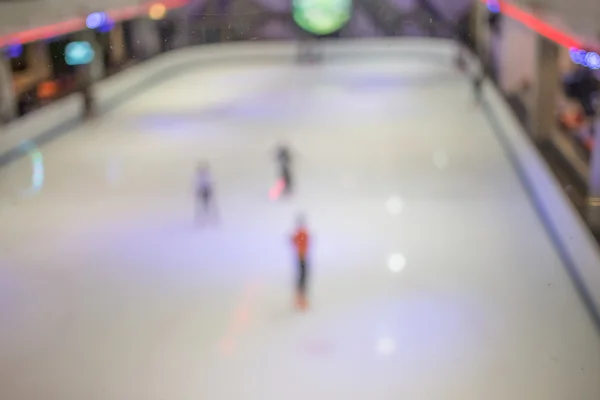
x,y
277,189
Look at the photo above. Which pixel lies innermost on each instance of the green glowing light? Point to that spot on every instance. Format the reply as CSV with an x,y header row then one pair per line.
x,y
322,17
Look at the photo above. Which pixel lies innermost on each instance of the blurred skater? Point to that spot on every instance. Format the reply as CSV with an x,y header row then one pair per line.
x,y
305,52
89,103
301,242
461,60
205,203
284,160
478,78
309,51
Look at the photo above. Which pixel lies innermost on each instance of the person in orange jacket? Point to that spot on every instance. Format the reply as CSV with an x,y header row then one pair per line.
x,y
301,243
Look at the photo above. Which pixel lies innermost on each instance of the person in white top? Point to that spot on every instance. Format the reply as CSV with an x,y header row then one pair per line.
x,y
204,192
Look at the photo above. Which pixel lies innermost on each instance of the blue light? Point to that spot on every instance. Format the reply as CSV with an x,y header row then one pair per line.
x,y
14,50
592,60
587,59
577,55
95,20
107,26
79,53
493,6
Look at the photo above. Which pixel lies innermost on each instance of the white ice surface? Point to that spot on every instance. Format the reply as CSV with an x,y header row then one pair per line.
x,y
432,276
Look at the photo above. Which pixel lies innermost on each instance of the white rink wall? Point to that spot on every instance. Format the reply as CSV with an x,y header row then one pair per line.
x,y
572,240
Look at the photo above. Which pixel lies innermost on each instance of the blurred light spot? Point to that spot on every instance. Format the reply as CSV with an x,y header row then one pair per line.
x,y
577,55
79,53
95,20
587,59
493,6
157,11
277,189
106,26
47,89
14,50
440,159
386,346
592,60
397,262
394,205
37,177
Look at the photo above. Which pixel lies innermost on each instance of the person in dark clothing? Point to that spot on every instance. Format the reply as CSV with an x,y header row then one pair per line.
x,y
89,104
301,242
307,51
460,59
204,193
284,159
582,85
478,78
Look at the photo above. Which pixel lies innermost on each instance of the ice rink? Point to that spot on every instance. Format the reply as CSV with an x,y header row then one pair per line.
x,y
432,276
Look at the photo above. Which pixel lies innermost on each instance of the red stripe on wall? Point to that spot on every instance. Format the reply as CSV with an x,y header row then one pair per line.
x,y
72,25
76,24
537,25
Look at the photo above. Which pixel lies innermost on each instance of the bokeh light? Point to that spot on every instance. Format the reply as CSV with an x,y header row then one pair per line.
x,y
107,26
37,176
322,17
592,60
95,20
14,50
493,6
79,53
587,59
397,262
277,189
157,11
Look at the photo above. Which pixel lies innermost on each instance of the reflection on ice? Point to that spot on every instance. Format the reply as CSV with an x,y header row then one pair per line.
x,y
394,205
386,346
440,159
397,262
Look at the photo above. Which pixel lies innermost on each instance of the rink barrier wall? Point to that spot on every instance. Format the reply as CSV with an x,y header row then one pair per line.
x,y
568,233
48,123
